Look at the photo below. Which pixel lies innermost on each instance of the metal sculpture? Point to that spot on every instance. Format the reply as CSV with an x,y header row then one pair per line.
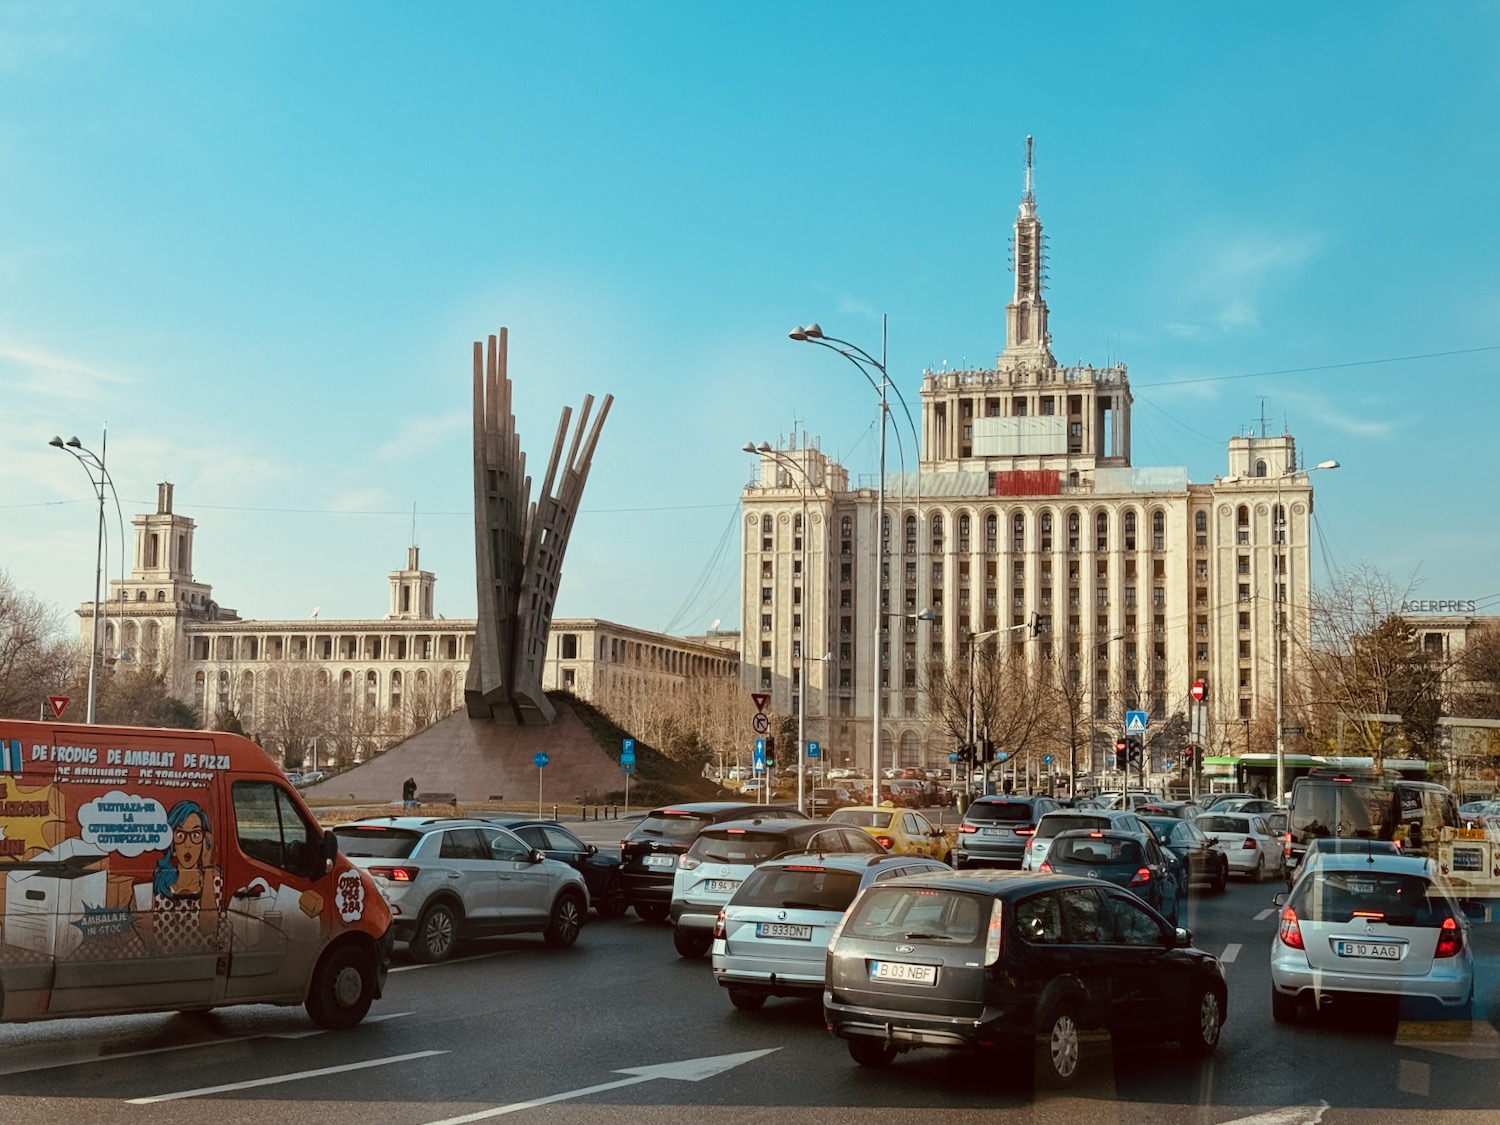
x,y
518,544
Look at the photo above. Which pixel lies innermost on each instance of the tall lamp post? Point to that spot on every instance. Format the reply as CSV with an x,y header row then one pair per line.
x,y
865,362
1278,626
92,465
974,641
765,450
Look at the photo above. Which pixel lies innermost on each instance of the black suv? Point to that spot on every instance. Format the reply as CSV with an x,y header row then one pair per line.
x,y
1364,805
998,959
995,830
648,855
600,872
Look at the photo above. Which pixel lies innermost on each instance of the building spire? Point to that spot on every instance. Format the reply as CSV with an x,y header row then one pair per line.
x,y
1026,335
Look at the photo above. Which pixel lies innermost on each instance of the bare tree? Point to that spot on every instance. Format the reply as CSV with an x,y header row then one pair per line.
x,y
1010,702
36,658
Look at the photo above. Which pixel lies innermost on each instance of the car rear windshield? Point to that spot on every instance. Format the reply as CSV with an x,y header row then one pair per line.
x,y
1350,809
731,846
671,825
799,888
906,914
862,818
1224,823
1381,896
1051,825
376,840
1017,811
1101,851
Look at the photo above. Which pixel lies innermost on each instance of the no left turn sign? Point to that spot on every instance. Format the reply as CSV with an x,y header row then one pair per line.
x,y
761,724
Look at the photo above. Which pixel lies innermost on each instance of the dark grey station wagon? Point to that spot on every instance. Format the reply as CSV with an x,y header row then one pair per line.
x,y
994,959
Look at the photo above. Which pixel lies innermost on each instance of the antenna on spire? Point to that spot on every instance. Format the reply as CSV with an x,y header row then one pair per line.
x,y
1263,416
1029,153
413,523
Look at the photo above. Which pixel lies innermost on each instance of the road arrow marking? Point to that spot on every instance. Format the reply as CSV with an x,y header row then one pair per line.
x,y
1291,1115
689,1070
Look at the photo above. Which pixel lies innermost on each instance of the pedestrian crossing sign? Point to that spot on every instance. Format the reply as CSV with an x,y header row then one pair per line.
x,y
1135,722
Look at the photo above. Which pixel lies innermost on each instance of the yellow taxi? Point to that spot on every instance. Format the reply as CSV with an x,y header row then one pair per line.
x,y
900,831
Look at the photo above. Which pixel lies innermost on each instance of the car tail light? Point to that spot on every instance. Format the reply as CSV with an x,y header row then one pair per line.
x,y
966,828
1045,866
803,867
884,841
1290,930
992,939
396,874
719,924
1029,830
687,862
1450,939
1248,845
1286,845
1141,878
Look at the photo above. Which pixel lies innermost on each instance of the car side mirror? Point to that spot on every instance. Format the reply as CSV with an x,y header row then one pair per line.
x,y
1278,899
591,850
1182,938
330,852
1213,841
1473,911
535,856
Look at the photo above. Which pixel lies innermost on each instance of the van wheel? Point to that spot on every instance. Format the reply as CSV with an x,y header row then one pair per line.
x,y
342,988
567,921
1061,1044
437,934
871,1052
1205,1020
691,944
747,1001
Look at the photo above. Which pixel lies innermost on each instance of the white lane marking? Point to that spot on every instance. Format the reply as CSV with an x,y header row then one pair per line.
x,y
1231,951
94,1055
1291,1115
453,961
689,1070
1266,913
1414,1078
276,1079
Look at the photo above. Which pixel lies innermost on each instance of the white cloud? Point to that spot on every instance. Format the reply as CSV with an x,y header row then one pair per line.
x,y
1223,280
1330,413
29,369
416,436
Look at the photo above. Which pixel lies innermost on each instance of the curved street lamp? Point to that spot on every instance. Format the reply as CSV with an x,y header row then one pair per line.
x,y
93,464
864,362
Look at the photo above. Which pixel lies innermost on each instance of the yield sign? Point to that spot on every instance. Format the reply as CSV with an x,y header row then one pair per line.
x,y
760,699
58,703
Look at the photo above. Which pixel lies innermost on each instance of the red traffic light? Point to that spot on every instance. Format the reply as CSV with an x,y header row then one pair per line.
x,y
1119,746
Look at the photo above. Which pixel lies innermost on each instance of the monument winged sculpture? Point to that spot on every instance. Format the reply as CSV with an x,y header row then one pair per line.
x,y
519,544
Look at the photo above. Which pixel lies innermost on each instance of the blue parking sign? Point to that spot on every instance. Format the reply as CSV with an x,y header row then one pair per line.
x,y
813,750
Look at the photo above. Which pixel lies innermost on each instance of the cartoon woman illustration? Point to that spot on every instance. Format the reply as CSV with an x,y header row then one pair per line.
x,y
187,885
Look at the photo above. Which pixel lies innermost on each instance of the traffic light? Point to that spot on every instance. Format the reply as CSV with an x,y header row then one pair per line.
x,y
987,750
1121,748
1133,751
770,750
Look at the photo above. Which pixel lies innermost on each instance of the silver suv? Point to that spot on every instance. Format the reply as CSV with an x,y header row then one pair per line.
x,y
449,879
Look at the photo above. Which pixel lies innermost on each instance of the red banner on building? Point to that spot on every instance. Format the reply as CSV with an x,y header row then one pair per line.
x,y
1027,482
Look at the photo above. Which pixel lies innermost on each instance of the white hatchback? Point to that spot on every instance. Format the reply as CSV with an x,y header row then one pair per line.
x,y
1371,925
1253,849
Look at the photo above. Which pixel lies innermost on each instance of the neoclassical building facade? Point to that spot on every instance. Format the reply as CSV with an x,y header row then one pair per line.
x,y
1029,521
380,679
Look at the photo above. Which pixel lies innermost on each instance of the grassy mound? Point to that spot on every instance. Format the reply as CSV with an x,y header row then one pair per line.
x,y
658,779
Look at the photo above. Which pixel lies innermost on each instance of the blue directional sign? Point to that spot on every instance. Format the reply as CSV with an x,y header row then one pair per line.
x,y
1046,759
627,767
953,757
1135,722
1168,765
814,750
539,759
758,764
1002,755
627,751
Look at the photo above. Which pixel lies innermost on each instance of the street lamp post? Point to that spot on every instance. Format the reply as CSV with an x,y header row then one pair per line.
x,y
863,360
974,642
765,450
1278,625
92,464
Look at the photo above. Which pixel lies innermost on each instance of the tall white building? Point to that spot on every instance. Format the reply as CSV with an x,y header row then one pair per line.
x,y
1027,516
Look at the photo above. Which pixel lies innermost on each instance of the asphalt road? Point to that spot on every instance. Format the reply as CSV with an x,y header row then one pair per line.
x,y
601,1033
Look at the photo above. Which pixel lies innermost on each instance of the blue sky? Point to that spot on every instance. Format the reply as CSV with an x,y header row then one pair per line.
x,y
259,241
